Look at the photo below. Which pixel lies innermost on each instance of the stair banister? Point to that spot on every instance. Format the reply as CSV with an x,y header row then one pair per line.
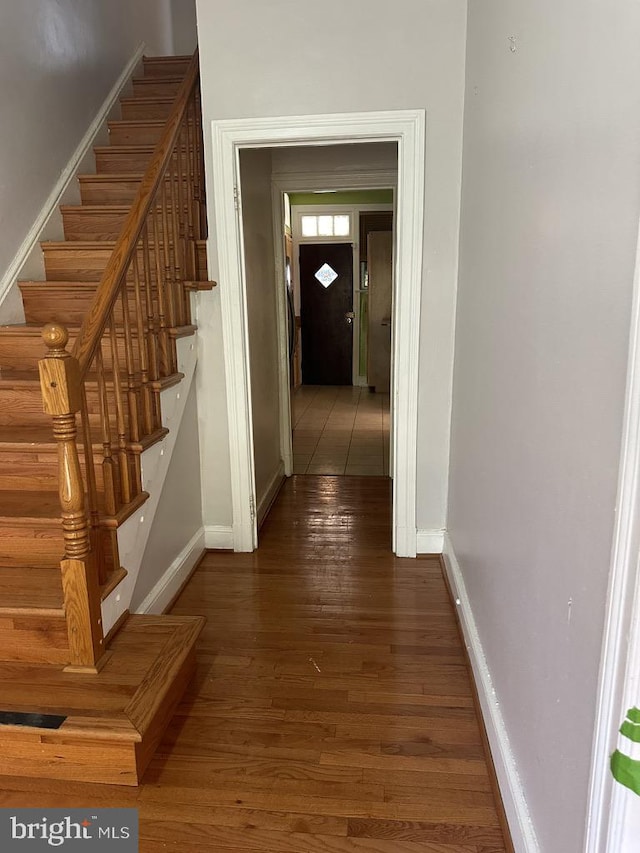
x,y
123,353
61,391
117,266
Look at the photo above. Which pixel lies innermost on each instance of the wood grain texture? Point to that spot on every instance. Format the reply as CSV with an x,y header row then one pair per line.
x,y
331,708
106,737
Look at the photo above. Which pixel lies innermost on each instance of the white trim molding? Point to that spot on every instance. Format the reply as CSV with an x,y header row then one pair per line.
x,y
49,213
407,129
618,686
218,537
430,541
515,805
180,570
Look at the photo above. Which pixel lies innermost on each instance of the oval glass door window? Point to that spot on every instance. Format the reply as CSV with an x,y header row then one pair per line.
x,y
326,275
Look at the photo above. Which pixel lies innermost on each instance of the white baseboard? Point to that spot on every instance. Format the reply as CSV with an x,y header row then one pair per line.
x,y
515,804
178,572
218,537
30,244
430,541
264,505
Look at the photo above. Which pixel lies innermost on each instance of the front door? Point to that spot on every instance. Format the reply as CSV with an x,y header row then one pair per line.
x,y
326,297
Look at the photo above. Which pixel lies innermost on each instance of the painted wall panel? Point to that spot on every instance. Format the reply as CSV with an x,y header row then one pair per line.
x,y
179,513
550,207
286,61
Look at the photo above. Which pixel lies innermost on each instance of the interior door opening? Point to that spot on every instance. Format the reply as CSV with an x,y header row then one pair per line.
x,y
247,164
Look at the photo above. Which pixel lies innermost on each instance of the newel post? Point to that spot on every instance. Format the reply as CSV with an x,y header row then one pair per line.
x,y
61,394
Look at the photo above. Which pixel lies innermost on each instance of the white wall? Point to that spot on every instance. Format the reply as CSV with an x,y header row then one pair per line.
x,y
261,59
58,61
257,220
179,513
551,200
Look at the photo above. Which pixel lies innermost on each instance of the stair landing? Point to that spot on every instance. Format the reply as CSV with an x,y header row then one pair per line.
x,y
113,720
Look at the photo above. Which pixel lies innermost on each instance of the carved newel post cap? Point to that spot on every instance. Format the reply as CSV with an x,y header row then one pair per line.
x,y
56,337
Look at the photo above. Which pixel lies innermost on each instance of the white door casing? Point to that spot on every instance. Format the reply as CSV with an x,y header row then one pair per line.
x,y
407,129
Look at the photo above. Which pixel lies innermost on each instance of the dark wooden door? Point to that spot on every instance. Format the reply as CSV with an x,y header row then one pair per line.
x,y
326,297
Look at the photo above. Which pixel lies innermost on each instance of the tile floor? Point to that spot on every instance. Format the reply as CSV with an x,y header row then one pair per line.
x,y
340,430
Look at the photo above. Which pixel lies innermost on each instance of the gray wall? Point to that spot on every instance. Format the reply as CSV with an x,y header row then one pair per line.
x,y
58,61
261,59
183,20
255,181
550,208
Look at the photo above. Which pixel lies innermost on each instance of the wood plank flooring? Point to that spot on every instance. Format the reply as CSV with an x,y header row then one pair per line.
x,y
331,709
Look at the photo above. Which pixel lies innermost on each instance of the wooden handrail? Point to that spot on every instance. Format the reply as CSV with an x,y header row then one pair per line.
x,y
95,322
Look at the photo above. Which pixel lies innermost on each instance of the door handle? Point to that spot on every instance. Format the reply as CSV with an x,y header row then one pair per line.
x,y
349,316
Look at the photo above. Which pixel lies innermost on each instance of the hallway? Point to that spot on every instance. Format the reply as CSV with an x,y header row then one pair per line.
x,y
331,710
340,430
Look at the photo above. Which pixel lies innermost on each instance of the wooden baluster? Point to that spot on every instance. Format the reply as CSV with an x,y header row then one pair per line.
x,y
167,238
193,184
200,163
148,424
62,398
133,390
178,263
121,425
164,348
110,479
183,234
94,516
188,188
153,327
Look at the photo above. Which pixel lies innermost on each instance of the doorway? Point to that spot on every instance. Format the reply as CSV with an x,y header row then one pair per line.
x,y
407,130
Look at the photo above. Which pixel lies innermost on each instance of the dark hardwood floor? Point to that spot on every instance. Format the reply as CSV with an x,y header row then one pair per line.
x,y
332,709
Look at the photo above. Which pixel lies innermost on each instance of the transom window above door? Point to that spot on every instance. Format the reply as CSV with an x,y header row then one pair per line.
x,y
326,225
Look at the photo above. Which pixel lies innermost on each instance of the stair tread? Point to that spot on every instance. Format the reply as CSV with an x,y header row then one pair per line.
x,y
30,589
131,121
145,99
175,79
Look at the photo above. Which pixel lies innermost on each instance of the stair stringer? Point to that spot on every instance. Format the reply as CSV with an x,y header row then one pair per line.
x,y
133,534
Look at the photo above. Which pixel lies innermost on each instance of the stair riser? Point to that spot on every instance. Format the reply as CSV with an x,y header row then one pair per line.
x,y
121,133
121,161
38,545
44,305
24,406
149,88
117,161
114,191
41,474
34,639
67,263
165,67
90,224
136,109
24,352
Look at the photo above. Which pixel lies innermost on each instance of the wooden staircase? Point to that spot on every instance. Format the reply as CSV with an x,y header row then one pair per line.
x,y
75,418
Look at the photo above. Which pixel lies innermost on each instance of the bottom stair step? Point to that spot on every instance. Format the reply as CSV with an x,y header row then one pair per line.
x,y
113,720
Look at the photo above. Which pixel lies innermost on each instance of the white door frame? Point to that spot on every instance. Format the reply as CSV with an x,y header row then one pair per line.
x,y
610,826
407,129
